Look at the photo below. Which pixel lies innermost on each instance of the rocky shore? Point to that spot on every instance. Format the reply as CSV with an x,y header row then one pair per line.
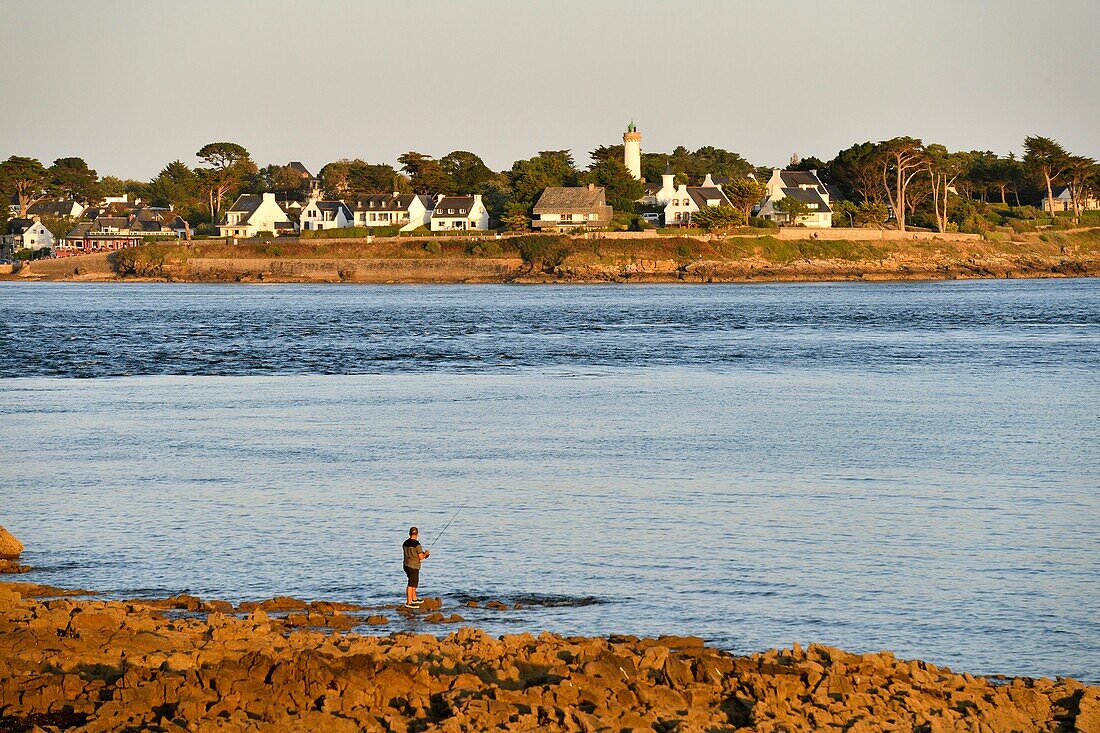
x,y
184,664
543,259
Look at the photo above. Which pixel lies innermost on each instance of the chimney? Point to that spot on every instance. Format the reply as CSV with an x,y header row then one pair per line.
x,y
477,199
269,197
591,186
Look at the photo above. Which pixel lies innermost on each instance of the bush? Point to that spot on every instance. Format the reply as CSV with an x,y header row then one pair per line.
x,y
757,223
1020,226
265,235
543,250
433,247
484,249
350,233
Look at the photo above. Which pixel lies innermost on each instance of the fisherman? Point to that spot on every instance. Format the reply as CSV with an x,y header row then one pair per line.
x,y
414,554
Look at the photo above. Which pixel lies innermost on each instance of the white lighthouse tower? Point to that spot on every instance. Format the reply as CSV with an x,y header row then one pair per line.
x,y
632,151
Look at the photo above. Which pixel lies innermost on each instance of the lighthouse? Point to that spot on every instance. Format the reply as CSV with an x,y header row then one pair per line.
x,y
632,151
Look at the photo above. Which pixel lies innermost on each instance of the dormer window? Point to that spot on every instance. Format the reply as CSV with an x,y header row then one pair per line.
x,y
462,211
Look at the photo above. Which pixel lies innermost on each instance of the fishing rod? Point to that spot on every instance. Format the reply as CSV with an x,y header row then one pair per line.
x,y
448,524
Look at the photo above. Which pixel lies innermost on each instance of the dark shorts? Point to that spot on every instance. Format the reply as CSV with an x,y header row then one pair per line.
x,y
414,576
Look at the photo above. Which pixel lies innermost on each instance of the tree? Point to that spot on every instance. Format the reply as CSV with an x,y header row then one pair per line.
x,y
745,193
515,217
60,226
24,178
1080,175
468,171
809,164
72,178
901,160
858,173
549,168
943,169
228,166
335,181
176,186
1046,161
426,174
1001,174
718,218
621,188
794,208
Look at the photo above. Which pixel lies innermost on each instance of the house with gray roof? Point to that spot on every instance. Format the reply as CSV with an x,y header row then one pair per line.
x,y
406,211
571,207
60,208
804,186
686,200
251,214
325,215
25,234
459,213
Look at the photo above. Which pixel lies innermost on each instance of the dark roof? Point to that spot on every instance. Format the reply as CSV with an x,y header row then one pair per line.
x,y
285,225
799,178
334,206
119,208
653,188
835,194
80,230
809,196
571,200
454,202
16,227
703,195
51,208
297,167
385,202
248,202
118,222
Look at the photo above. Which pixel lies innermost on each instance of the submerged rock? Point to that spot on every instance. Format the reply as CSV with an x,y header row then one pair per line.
x,y
10,548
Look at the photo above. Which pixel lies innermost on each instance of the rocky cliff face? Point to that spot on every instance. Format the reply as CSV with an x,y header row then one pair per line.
x,y
182,664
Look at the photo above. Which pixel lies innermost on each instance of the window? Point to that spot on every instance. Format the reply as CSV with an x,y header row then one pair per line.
x,y
462,211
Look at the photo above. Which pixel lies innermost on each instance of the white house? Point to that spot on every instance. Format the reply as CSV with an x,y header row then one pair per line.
x,y
325,215
459,213
1064,202
59,208
686,200
804,186
26,234
251,214
406,211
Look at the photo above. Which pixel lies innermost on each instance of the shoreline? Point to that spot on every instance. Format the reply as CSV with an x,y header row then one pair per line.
x,y
75,662
544,259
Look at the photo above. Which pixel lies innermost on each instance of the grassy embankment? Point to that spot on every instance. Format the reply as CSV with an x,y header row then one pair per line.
x,y
544,258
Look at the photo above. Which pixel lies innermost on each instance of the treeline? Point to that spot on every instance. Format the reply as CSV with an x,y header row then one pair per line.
x,y
914,183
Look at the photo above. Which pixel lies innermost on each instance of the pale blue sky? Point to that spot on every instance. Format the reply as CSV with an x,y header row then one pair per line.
x,y
132,85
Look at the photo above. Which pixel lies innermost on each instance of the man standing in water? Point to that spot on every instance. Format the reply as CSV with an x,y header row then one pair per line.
x,y
414,553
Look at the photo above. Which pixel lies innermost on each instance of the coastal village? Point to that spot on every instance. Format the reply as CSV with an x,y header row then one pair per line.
x,y
717,202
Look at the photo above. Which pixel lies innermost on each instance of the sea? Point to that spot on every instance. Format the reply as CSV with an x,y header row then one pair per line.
x,y
903,466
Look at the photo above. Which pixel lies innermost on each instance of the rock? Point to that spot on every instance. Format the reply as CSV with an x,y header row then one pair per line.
x,y
131,666
431,604
10,548
496,606
377,620
12,567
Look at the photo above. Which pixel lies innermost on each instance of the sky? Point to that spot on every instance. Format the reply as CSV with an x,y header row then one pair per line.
x,y
131,86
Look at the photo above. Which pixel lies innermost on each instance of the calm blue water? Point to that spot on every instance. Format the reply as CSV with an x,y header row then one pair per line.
x,y
905,466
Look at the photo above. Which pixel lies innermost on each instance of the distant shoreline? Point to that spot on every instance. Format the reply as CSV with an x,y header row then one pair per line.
x,y
564,260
